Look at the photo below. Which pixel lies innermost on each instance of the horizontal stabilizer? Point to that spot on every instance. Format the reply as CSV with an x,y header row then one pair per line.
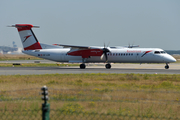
x,y
23,25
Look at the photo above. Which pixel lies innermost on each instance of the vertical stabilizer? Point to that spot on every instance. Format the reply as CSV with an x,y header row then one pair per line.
x,y
27,36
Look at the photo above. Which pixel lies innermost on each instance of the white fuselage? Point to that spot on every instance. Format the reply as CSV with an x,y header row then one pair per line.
x,y
117,55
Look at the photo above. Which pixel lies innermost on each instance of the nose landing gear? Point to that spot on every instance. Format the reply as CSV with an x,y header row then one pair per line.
x,y
167,66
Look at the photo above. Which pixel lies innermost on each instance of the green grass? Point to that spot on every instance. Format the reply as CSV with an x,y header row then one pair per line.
x,y
82,96
6,57
102,81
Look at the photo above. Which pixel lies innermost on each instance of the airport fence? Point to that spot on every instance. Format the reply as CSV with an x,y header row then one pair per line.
x,y
88,104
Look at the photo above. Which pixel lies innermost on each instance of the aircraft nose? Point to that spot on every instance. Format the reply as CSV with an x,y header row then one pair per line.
x,y
171,59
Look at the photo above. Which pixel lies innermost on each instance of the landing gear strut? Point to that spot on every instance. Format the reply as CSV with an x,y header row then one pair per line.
x,y
167,66
82,66
108,66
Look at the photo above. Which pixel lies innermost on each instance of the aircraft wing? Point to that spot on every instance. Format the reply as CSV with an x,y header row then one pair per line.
x,y
84,51
87,51
74,46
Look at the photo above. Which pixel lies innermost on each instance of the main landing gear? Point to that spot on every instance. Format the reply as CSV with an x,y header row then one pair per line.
x,y
167,66
82,66
108,66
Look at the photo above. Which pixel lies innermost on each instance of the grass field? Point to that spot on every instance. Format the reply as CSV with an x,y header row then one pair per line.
x,y
91,81
17,57
125,94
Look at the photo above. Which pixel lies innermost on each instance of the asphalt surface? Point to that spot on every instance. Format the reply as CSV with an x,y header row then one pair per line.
x,y
94,68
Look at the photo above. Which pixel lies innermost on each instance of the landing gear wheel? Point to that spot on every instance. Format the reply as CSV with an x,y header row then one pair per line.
x,y
82,66
167,67
108,66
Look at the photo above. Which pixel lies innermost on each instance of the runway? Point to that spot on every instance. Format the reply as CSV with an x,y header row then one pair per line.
x,y
94,68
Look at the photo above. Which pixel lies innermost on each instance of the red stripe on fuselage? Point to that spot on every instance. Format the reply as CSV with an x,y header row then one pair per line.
x,y
34,46
86,53
146,53
22,27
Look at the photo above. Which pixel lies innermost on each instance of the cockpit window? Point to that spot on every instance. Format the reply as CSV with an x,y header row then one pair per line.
x,y
156,52
159,52
113,47
163,52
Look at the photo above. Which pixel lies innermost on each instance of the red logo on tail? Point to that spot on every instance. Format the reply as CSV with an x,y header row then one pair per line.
x,y
26,37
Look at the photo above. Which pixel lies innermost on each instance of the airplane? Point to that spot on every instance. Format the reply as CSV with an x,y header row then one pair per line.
x,y
89,54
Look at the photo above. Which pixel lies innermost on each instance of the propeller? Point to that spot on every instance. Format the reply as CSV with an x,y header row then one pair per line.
x,y
105,51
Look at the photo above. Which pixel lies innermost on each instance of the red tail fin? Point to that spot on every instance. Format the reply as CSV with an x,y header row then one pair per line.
x,y
27,36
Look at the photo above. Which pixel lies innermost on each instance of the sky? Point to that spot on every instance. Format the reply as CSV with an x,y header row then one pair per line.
x,y
148,23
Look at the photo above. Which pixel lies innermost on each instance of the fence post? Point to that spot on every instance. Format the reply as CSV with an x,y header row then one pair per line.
x,y
45,105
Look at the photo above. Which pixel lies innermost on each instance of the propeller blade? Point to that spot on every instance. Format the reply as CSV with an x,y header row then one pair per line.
x,y
106,57
108,44
105,51
102,56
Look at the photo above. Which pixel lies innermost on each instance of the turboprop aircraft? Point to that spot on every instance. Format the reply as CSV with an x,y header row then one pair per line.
x,y
89,54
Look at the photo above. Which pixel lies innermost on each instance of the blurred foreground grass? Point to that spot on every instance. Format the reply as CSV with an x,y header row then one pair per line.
x,y
87,95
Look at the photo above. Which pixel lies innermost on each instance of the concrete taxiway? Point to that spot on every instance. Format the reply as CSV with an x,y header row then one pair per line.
x,y
94,68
